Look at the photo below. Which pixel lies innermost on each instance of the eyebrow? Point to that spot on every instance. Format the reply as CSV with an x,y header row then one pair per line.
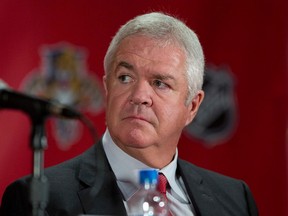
x,y
156,76
125,65
164,77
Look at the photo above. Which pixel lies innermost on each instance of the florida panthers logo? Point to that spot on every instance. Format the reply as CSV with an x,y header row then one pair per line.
x,y
62,76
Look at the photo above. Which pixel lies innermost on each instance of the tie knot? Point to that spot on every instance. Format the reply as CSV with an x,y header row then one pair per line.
x,y
162,183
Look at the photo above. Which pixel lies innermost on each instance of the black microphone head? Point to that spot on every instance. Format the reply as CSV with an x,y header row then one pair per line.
x,y
63,110
34,106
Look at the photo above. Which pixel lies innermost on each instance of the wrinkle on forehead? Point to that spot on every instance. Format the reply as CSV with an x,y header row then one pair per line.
x,y
146,49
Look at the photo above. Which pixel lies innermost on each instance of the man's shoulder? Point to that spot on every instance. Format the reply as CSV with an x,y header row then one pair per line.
x,y
229,191
206,174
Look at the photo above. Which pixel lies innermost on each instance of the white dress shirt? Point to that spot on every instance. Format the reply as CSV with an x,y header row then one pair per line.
x,y
126,170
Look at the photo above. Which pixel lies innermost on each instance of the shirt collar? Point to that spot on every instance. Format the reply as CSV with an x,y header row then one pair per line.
x,y
126,172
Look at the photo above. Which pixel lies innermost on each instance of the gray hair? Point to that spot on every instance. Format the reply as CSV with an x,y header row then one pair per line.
x,y
166,29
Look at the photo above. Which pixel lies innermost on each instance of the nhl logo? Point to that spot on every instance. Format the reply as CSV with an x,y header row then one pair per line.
x,y
216,118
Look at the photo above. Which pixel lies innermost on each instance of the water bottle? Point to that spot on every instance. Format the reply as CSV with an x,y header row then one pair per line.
x,y
147,201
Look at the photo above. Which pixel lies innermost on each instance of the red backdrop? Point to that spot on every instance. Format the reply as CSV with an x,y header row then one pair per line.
x,y
250,37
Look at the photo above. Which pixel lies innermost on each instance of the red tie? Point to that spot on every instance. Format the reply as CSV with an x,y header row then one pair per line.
x,y
162,184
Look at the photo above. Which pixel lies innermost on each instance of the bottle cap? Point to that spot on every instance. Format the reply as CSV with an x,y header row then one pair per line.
x,y
148,176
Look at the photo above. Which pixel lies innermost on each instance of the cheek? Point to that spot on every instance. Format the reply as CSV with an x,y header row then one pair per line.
x,y
173,115
115,103
115,92
111,102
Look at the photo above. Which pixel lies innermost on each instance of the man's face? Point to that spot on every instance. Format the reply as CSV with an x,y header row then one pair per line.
x,y
146,93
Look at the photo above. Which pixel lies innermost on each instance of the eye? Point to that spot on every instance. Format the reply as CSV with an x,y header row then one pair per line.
x,y
125,79
159,84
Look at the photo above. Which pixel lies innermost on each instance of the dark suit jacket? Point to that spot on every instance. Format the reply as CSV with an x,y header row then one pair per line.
x,y
87,185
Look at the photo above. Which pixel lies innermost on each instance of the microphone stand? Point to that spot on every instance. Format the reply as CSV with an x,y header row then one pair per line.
x,y
39,183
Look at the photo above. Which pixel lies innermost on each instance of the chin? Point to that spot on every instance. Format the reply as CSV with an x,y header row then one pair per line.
x,y
136,138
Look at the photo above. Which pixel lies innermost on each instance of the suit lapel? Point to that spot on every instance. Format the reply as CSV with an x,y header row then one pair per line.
x,y
204,201
100,194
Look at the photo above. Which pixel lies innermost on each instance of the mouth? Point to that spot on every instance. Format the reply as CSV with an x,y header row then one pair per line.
x,y
136,118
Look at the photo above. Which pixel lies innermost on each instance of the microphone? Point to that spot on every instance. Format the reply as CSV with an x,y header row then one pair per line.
x,y
34,106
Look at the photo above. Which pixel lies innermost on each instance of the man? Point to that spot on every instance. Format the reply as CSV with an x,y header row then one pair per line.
x,y
153,79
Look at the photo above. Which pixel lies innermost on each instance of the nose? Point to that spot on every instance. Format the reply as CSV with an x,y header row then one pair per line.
x,y
141,94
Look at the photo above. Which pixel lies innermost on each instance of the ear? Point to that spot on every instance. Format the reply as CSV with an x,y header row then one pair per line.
x,y
194,106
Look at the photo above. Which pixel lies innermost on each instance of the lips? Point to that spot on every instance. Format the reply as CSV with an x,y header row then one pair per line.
x,y
141,118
